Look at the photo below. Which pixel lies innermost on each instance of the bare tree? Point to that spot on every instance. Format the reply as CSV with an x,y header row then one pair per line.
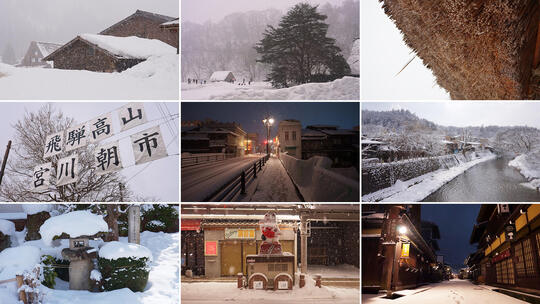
x,y
29,141
518,140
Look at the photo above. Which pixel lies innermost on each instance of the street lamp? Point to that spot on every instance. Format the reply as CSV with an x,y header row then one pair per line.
x,y
402,229
268,122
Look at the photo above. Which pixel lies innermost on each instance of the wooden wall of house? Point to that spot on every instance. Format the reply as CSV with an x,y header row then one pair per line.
x,y
143,27
82,56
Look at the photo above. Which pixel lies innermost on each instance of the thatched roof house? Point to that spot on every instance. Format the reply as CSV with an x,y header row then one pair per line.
x,y
100,53
144,25
226,76
477,49
36,52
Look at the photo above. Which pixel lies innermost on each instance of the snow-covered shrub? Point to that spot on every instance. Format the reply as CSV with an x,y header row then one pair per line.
x,y
49,273
124,265
160,217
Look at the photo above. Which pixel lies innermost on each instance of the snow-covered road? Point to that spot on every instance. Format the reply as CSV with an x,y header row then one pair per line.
x,y
273,184
202,180
451,292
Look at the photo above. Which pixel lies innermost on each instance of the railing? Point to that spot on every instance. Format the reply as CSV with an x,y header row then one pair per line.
x,y
239,183
198,159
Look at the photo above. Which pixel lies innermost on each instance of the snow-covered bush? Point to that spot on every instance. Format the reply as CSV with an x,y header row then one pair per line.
x,y
49,273
124,265
160,217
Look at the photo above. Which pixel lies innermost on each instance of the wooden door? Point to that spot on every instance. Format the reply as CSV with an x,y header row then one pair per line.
x,y
231,257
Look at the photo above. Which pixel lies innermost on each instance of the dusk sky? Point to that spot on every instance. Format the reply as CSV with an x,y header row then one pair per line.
x,y
455,224
250,114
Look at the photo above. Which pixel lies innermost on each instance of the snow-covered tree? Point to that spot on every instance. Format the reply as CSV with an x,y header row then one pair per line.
x,y
518,140
299,51
27,152
8,56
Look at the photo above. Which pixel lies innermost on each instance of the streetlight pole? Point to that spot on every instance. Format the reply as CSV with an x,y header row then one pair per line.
x,y
268,122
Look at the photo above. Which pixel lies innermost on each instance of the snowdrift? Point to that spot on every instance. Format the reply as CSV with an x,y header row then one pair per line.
x,y
154,79
529,166
317,183
347,88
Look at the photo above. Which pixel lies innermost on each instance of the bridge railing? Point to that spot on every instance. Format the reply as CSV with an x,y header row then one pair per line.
x,y
238,184
197,159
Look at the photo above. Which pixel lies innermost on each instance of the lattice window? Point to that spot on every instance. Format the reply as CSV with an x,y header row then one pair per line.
x,y
505,272
529,259
520,261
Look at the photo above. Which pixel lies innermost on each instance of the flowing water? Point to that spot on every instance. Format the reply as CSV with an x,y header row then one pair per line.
x,y
490,181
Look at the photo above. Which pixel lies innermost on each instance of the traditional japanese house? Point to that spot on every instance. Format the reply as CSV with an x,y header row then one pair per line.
x,y
217,238
145,25
36,52
101,53
412,241
508,238
340,145
224,76
174,28
476,49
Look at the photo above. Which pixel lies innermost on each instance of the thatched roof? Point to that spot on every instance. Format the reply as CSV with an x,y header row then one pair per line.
x,y
477,49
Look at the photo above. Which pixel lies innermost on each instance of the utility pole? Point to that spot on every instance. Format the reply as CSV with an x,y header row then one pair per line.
x,y
4,161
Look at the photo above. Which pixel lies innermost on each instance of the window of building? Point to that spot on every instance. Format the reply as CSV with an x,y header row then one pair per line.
x,y
286,135
524,258
90,51
293,135
505,272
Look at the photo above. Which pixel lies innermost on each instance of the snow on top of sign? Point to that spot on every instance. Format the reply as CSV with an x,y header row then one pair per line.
x,y
219,75
7,227
36,208
116,250
16,260
76,223
130,47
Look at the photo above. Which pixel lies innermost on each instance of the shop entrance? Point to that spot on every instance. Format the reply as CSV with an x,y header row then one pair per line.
x,y
233,254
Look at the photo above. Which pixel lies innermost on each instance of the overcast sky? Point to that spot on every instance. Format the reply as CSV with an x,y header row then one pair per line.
x,y
59,21
468,113
384,54
200,11
159,180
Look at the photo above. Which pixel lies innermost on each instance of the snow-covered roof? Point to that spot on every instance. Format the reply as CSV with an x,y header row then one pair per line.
x,y
171,23
116,250
75,224
153,16
474,143
7,227
338,132
47,48
447,141
36,208
130,47
220,75
282,217
16,260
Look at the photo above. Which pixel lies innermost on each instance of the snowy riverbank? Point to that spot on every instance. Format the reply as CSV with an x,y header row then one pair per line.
x,y
529,166
347,88
153,79
418,188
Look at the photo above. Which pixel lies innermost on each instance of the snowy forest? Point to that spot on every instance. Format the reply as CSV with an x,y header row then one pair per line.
x,y
229,44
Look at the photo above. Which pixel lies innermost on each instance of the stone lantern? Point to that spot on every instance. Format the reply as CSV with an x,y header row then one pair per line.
x,y
80,255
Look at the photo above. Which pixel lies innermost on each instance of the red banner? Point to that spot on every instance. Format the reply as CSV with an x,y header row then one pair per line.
x,y
191,225
210,248
501,256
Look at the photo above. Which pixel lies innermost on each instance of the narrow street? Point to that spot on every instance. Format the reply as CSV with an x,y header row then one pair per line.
x,y
450,292
273,184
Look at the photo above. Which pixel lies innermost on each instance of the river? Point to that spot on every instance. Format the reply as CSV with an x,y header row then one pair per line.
x,y
490,181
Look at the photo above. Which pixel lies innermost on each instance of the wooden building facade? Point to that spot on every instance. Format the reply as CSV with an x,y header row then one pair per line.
x,y
145,25
36,52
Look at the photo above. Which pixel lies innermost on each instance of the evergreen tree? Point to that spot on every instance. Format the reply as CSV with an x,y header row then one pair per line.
x,y
8,56
299,51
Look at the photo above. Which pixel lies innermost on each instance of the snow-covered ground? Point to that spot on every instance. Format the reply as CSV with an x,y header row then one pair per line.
x,y
347,88
162,287
273,184
418,188
529,166
153,79
339,271
225,292
451,292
